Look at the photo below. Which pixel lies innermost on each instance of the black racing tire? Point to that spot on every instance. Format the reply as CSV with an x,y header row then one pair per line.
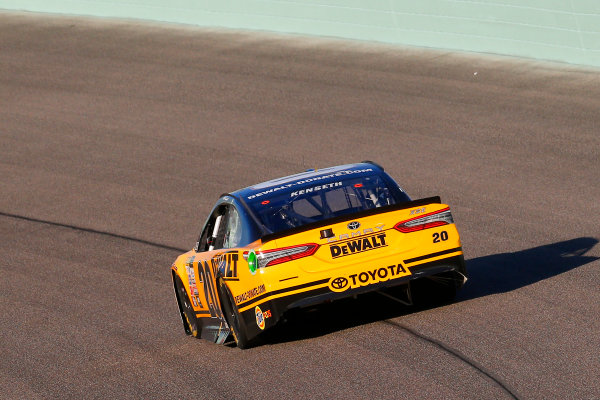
x,y
190,325
238,330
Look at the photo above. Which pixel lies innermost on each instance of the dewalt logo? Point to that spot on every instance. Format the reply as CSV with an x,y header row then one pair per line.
x,y
359,245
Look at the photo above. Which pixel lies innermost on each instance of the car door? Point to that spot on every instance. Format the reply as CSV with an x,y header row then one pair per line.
x,y
215,257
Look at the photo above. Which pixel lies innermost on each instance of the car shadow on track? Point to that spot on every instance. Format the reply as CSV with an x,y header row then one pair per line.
x,y
499,273
488,275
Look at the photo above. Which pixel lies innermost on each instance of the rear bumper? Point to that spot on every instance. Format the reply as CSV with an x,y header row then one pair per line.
x,y
272,310
450,264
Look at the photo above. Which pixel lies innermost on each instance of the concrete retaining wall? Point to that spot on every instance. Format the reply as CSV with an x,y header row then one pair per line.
x,y
560,30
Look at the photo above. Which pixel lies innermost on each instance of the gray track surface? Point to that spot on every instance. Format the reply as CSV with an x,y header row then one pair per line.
x,y
117,137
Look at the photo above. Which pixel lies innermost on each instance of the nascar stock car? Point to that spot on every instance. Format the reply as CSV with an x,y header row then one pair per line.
x,y
311,238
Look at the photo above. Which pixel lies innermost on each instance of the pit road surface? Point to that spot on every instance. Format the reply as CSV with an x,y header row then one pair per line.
x,y
117,137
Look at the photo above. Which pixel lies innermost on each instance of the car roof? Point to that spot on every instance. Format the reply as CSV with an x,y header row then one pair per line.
x,y
312,175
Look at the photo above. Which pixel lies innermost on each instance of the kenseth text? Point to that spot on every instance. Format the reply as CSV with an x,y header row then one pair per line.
x,y
315,188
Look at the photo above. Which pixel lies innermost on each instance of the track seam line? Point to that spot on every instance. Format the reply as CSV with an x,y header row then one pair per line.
x,y
89,230
456,354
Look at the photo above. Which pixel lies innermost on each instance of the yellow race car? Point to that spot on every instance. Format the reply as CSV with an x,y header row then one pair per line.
x,y
308,238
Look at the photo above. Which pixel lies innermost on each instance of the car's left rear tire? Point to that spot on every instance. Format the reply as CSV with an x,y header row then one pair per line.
x,y
190,324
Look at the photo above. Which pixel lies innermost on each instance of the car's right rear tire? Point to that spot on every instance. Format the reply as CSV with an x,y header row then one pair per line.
x,y
238,330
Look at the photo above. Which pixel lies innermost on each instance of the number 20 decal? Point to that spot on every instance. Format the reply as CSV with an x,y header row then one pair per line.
x,y
440,236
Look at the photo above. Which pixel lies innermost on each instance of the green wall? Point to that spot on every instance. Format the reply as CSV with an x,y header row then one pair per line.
x,y
561,30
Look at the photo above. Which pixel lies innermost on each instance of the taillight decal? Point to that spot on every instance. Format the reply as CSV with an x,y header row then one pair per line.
x,y
426,221
267,258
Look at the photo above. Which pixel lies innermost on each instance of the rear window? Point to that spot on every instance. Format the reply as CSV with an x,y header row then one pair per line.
x,y
303,205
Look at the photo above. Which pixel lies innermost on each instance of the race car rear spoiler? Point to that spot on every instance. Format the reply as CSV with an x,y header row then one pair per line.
x,y
359,214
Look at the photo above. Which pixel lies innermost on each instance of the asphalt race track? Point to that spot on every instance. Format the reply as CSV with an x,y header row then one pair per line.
x,y
116,137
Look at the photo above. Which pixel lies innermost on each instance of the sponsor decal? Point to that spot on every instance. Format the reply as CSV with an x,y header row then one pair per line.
x,y
366,231
194,294
250,294
369,277
260,318
313,179
339,284
226,264
326,233
360,245
275,189
189,268
354,225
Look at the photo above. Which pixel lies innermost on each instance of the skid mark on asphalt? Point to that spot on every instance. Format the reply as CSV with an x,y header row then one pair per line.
x,y
94,231
456,354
